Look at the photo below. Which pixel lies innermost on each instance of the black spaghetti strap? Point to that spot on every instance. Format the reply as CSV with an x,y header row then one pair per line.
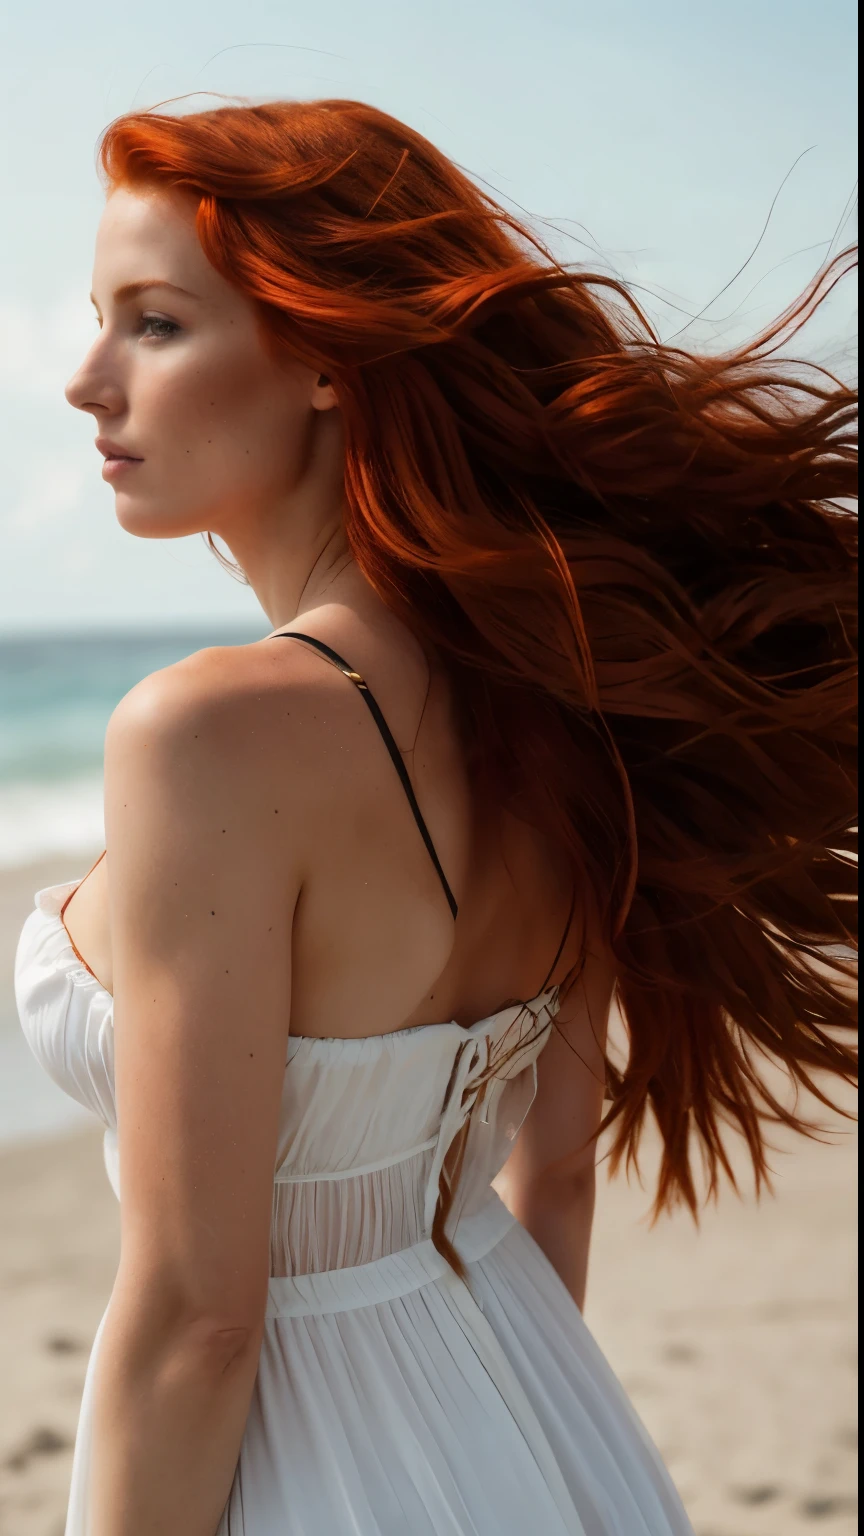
x,y
387,735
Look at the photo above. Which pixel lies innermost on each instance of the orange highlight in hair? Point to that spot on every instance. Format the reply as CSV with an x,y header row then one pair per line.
x,y
637,563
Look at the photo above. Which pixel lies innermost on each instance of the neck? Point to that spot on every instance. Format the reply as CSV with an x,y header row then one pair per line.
x,y
290,575
294,554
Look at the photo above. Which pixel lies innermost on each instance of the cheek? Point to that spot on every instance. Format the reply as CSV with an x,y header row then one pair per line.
x,y
232,419
224,431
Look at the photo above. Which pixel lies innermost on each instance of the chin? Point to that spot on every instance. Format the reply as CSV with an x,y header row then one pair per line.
x,y
149,522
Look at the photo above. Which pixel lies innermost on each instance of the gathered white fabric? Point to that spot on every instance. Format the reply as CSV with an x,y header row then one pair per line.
x,y
392,1398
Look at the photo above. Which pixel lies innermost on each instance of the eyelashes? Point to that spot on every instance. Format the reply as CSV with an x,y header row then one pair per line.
x,y
154,326
157,327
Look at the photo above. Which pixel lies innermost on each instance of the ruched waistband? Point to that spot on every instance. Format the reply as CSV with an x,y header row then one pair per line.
x,y
396,1274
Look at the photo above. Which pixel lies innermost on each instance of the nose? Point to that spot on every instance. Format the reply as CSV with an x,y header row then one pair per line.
x,y
94,388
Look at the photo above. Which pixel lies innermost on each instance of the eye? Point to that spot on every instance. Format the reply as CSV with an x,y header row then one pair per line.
x,y
157,327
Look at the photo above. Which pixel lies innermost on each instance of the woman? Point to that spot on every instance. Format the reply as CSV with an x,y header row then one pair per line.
x,y
561,642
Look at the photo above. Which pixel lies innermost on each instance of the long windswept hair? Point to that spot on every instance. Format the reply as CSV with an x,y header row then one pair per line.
x,y
636,563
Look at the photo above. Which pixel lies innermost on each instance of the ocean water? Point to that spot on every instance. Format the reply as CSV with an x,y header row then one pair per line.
x,y
56,697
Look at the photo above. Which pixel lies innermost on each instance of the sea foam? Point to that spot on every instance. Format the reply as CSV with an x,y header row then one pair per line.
x,y
40,820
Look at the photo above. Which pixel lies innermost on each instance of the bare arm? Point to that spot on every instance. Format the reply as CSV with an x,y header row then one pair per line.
x,y
549,1180
200,916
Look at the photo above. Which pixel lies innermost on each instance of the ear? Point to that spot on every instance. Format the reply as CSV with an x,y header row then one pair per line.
x,y
323,394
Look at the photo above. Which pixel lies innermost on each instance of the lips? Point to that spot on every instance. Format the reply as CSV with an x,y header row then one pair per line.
x,y
114,451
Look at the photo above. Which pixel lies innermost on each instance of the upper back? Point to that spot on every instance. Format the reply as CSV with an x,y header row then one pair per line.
x,y
374,944
376,947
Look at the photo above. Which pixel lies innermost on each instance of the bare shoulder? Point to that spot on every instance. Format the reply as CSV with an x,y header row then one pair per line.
x,y
233,735
237,698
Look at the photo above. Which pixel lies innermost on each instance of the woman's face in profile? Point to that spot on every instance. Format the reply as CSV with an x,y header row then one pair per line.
x,y
199,424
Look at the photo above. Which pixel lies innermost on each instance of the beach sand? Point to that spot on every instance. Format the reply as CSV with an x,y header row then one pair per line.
x,y
736,1343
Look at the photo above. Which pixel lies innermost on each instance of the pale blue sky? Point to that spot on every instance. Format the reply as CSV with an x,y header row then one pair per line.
x,y
665,129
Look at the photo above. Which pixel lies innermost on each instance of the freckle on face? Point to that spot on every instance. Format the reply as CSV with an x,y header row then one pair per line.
x,y
217,341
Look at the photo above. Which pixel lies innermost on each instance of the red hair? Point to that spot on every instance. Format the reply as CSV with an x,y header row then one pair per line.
x,y
637,565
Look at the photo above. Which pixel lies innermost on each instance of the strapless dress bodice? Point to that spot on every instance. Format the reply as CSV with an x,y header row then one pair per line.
x,y
365,1124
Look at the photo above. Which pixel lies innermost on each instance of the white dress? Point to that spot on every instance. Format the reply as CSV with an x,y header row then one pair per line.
x,y
392,1399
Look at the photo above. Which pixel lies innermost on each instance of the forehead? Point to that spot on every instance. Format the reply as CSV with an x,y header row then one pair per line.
x,y
150,234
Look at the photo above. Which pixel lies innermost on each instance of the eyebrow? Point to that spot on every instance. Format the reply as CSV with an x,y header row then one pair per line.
x,y
134,290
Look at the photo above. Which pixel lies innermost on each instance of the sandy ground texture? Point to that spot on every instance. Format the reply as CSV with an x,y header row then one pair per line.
x,y
735,1343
